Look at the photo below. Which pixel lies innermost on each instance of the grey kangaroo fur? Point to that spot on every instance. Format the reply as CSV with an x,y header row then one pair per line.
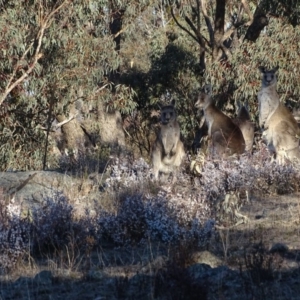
x,y
243,120
168,150
227,138
281,129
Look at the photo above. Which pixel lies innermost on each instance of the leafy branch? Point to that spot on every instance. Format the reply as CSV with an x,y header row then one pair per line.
x,y
44,24
215,28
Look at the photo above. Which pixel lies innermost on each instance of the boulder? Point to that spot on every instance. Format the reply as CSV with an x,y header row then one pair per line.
x,y
24,190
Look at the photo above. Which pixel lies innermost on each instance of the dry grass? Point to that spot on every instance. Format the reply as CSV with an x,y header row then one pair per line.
x,y
145,234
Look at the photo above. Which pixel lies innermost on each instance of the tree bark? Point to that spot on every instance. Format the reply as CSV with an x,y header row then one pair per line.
x,y
259,22
219,27
116,29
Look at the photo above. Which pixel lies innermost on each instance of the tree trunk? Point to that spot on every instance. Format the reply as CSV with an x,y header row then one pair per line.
x,y
260,20
219,28
115,29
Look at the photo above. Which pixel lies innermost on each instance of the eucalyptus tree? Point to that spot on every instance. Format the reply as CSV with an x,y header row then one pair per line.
x,y
60,61
235,37
72,64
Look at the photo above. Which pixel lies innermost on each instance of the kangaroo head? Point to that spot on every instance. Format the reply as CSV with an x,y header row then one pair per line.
x,y
268,76
168,113
242,110
204,97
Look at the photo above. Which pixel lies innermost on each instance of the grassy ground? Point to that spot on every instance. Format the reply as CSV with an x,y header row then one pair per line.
x,y
124,254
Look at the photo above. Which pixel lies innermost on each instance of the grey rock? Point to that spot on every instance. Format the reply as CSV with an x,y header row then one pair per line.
x,y
205,257
22,282
280,248
95,275
32,186
43,278
43,282
31,189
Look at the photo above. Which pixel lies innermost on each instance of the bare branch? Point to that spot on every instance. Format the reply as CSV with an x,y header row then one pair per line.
x,y
198,38
228,33
237,22
219,19
182,27
65,121
231,30
196,13
120,31
207,21
248,11
226,51
101,88
18,63
197,33
37,55
219,26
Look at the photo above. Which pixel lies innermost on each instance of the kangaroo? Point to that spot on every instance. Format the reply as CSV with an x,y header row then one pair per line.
x,y
168,150
281,129
246,126
227,138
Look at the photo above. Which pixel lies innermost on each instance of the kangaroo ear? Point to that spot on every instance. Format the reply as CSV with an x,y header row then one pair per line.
x,y
207,89
261,69
173,102
238,105
276,69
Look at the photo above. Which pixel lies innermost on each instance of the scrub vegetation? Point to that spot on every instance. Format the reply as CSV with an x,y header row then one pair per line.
x,y
82,83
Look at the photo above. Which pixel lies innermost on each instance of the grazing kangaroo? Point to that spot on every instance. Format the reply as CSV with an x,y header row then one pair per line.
x,y
227,138
243,120
168,150
281,129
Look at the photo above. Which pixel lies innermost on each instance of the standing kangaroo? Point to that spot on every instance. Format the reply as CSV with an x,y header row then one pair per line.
x,y
243,120
227,138
168,150
281,129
